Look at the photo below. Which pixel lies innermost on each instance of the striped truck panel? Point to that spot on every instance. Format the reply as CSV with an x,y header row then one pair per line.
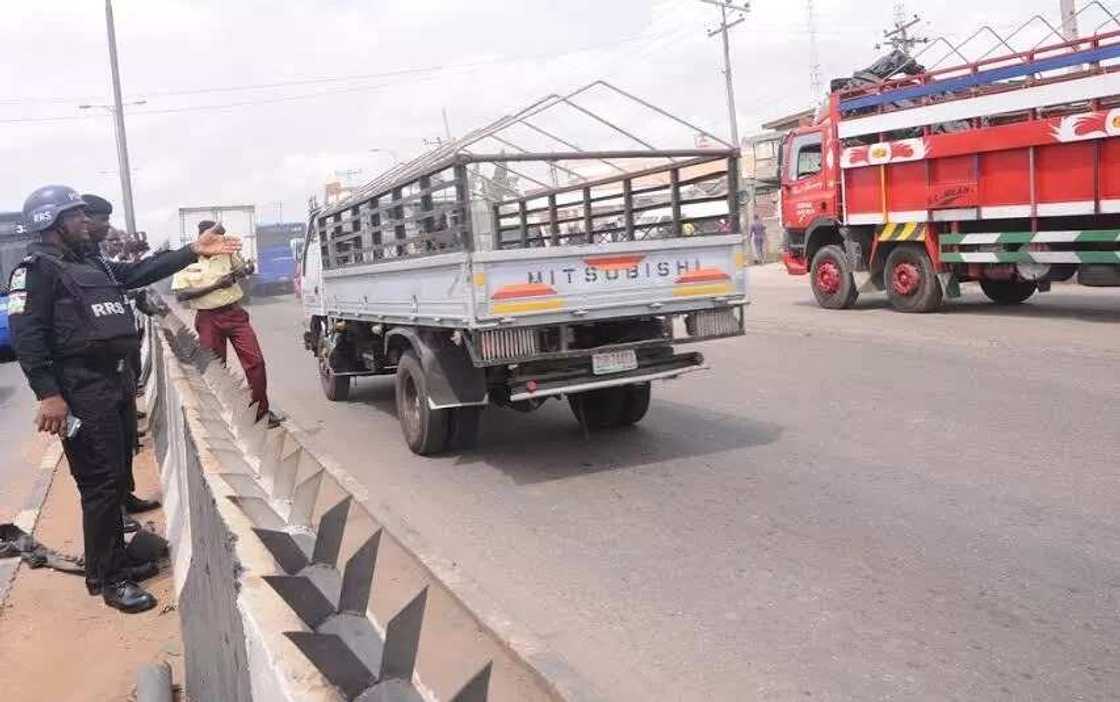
x,y
903,231
1070,241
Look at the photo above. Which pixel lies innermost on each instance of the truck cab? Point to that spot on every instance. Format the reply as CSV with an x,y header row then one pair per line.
x,y
810,198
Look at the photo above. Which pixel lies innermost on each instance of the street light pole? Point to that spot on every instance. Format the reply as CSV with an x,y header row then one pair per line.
x,y
118,116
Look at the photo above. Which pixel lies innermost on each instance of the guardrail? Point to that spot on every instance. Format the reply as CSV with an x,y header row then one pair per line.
x,y
288,585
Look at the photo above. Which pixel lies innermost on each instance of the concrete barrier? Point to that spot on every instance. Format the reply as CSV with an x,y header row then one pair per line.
x,y
290,587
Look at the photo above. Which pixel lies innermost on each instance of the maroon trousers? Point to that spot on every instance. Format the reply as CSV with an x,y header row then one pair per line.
x,y
231,323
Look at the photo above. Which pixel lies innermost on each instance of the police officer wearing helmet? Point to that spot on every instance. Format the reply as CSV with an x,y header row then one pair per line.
x,y
72,331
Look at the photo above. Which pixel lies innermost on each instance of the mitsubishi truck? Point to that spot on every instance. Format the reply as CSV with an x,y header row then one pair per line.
x,y
1004,172
476,293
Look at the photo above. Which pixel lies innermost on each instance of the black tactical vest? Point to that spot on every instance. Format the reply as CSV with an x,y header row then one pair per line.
x,y
94,313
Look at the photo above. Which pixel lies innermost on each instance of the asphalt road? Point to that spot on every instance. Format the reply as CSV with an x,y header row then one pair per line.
x,y
20,448
851,505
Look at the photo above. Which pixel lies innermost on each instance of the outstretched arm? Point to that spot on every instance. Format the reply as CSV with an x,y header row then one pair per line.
x,y
140,273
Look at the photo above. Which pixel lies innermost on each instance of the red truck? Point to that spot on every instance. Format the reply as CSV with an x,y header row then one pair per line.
x,y
1004,172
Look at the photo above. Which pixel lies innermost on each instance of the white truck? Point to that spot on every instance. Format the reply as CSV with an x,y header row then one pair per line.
x,y
474,293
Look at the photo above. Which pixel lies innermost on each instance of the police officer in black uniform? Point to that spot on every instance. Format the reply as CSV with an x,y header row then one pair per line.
x,y
72,332
99,210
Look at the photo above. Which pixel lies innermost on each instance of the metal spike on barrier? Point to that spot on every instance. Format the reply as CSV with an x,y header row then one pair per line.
x,y
216,428
244,485
284,481
286,550
259,512
229,455
402,639
270,459
304,596
303,500
391,691
257,439
335,661
477,688
328,539
357,578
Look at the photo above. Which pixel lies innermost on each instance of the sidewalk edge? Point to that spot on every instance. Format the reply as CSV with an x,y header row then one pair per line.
x,y
28,517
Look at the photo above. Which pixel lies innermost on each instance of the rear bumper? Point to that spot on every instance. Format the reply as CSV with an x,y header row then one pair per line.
x,y
651,369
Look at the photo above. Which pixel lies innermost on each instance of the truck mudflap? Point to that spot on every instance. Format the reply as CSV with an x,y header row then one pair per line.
x,y
661,369
795,265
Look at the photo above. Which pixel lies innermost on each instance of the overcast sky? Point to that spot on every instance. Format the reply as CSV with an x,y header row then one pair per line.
x,y
342,77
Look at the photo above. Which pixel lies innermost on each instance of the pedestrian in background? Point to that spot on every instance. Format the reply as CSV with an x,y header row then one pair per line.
x,y
758,239
209,286
72,332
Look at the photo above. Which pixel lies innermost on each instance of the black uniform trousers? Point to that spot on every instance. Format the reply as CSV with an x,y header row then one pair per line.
x,y
101,392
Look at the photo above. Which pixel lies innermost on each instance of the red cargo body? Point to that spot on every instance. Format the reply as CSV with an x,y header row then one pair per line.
x,y
1006,172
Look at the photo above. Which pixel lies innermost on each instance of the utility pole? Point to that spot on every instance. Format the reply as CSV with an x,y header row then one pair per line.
x,y
899,38
739,17
118,117
1069,20
816,86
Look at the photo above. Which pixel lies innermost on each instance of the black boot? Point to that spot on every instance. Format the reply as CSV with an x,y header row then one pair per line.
x,y
128,597
136,505
137,573
130,524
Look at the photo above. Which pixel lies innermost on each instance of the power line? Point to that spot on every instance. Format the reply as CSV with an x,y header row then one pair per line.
x,y
399,73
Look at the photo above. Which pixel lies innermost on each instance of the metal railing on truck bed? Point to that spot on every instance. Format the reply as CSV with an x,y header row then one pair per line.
x,y
694,193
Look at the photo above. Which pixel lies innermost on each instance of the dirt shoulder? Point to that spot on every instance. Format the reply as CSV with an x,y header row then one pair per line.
x,y
57,642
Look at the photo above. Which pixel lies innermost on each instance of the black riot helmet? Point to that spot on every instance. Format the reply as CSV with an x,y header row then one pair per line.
x,y
42,208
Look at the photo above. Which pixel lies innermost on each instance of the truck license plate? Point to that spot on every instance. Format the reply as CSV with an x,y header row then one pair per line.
x,y
613,362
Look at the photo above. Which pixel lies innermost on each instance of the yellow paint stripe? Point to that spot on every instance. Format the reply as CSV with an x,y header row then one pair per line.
x,y
887,231
479,280
528,306
698,290
907,231
740,260
921,233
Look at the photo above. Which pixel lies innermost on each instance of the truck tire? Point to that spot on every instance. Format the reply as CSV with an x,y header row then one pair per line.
x,y
425,429
831,278
599,409
635,404
1008,292
463,424
911,282
335,387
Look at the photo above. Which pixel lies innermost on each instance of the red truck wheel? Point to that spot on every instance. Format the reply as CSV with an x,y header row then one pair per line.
x,y
831,278
911,282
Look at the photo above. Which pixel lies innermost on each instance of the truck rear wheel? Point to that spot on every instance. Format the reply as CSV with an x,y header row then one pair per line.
x,y
910,280
425,429
598,409
635,404
335,387
831,278
1008,292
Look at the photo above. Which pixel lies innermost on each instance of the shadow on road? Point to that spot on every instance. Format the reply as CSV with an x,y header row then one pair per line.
x,y
1057,307
561,449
